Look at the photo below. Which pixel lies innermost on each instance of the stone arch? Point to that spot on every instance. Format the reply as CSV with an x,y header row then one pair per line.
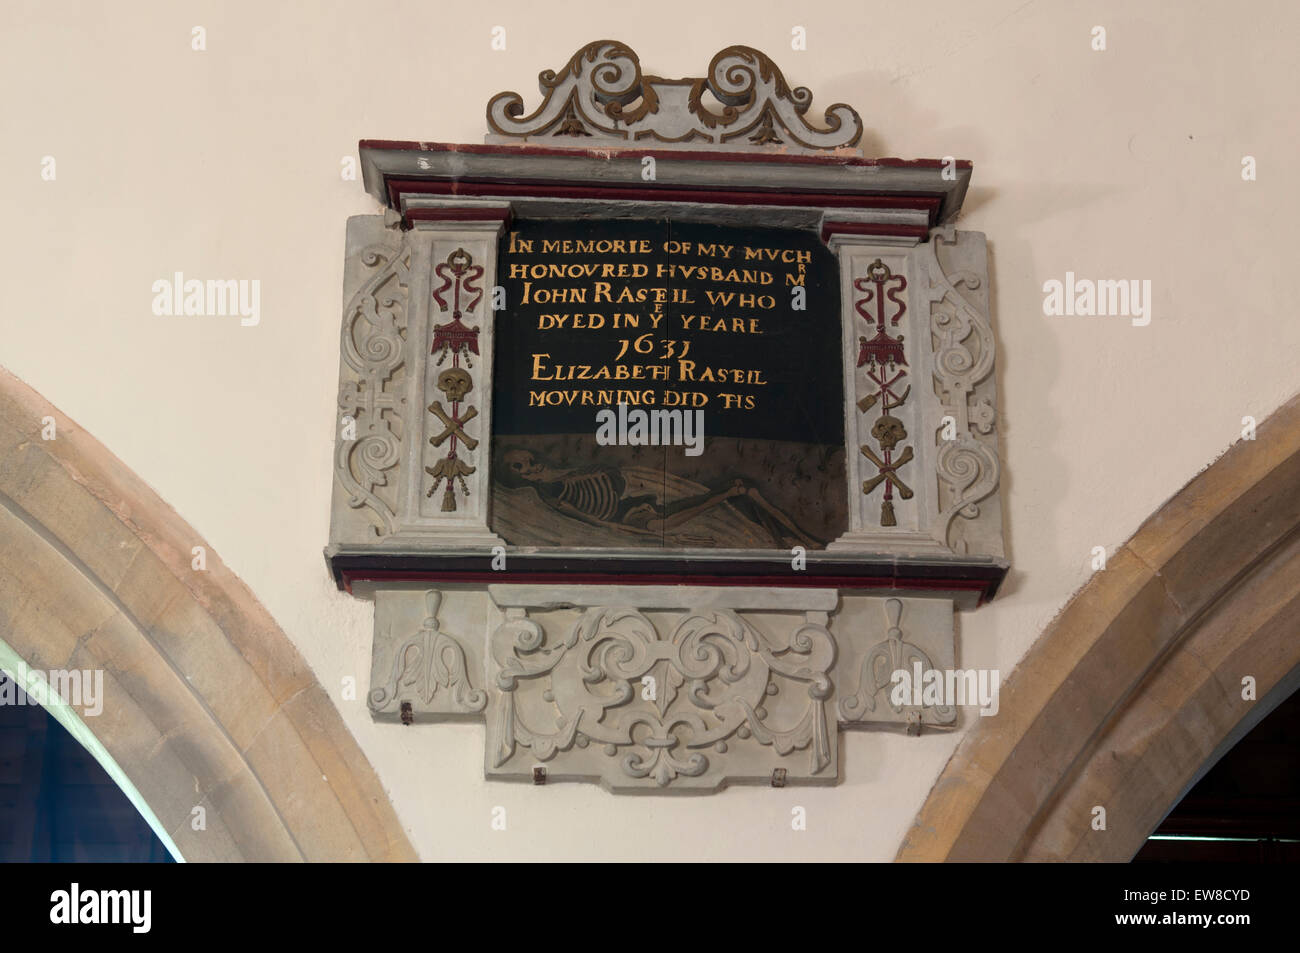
x,y
1135,689
206,701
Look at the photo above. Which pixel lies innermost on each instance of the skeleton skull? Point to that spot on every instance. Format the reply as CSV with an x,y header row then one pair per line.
x,y
524,464
455,383
889,432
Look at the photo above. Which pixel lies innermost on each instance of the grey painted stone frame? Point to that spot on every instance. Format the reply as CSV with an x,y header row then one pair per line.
x,y
389,312
388,377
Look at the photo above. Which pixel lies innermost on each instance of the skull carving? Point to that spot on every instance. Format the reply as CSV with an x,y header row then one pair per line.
x,y
889,432
455,383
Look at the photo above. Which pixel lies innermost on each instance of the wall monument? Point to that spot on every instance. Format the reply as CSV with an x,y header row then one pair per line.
x,y
666,429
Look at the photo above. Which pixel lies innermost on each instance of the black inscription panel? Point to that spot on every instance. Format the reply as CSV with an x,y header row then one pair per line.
x,y
667,385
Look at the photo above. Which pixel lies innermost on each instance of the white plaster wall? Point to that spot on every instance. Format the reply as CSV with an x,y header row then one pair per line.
x,y
225,164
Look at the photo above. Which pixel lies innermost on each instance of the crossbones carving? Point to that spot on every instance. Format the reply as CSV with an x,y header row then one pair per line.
x,y
887,472
454,425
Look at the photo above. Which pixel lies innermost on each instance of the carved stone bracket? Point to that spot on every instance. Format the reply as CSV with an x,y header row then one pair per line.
x,y
601,95
657,688
878,684
429,667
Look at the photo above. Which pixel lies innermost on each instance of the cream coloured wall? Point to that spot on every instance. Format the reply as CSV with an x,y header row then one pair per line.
x,y
225,163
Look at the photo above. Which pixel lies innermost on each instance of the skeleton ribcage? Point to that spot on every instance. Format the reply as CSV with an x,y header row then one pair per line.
x,y
591,493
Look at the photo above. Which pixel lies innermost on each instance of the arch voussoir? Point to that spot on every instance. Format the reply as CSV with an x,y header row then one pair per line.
x,y
1136,687
206,702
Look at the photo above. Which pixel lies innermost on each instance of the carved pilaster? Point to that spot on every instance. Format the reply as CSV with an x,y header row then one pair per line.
x,y
918,354
448,494
886,451
417,379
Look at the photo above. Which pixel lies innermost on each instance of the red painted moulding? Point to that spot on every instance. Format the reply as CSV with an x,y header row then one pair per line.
x,y
468,214
873,228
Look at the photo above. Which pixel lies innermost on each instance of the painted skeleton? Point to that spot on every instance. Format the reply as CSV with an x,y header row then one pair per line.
x,y
605,496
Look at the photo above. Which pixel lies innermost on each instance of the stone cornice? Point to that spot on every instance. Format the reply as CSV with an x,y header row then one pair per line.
x,y
397,173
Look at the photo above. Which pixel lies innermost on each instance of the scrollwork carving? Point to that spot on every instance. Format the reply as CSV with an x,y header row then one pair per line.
x,y
659,706
601,92
373,348
967,467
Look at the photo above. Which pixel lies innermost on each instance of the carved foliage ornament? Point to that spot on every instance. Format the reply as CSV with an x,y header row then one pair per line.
x,y
659,699
602,94
893,654
712,679
429,664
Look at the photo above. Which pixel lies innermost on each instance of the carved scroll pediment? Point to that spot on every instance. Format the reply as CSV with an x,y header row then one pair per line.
x,y
601,95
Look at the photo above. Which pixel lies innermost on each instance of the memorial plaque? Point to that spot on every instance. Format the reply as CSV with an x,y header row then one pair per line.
x,y
667,384
667,429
